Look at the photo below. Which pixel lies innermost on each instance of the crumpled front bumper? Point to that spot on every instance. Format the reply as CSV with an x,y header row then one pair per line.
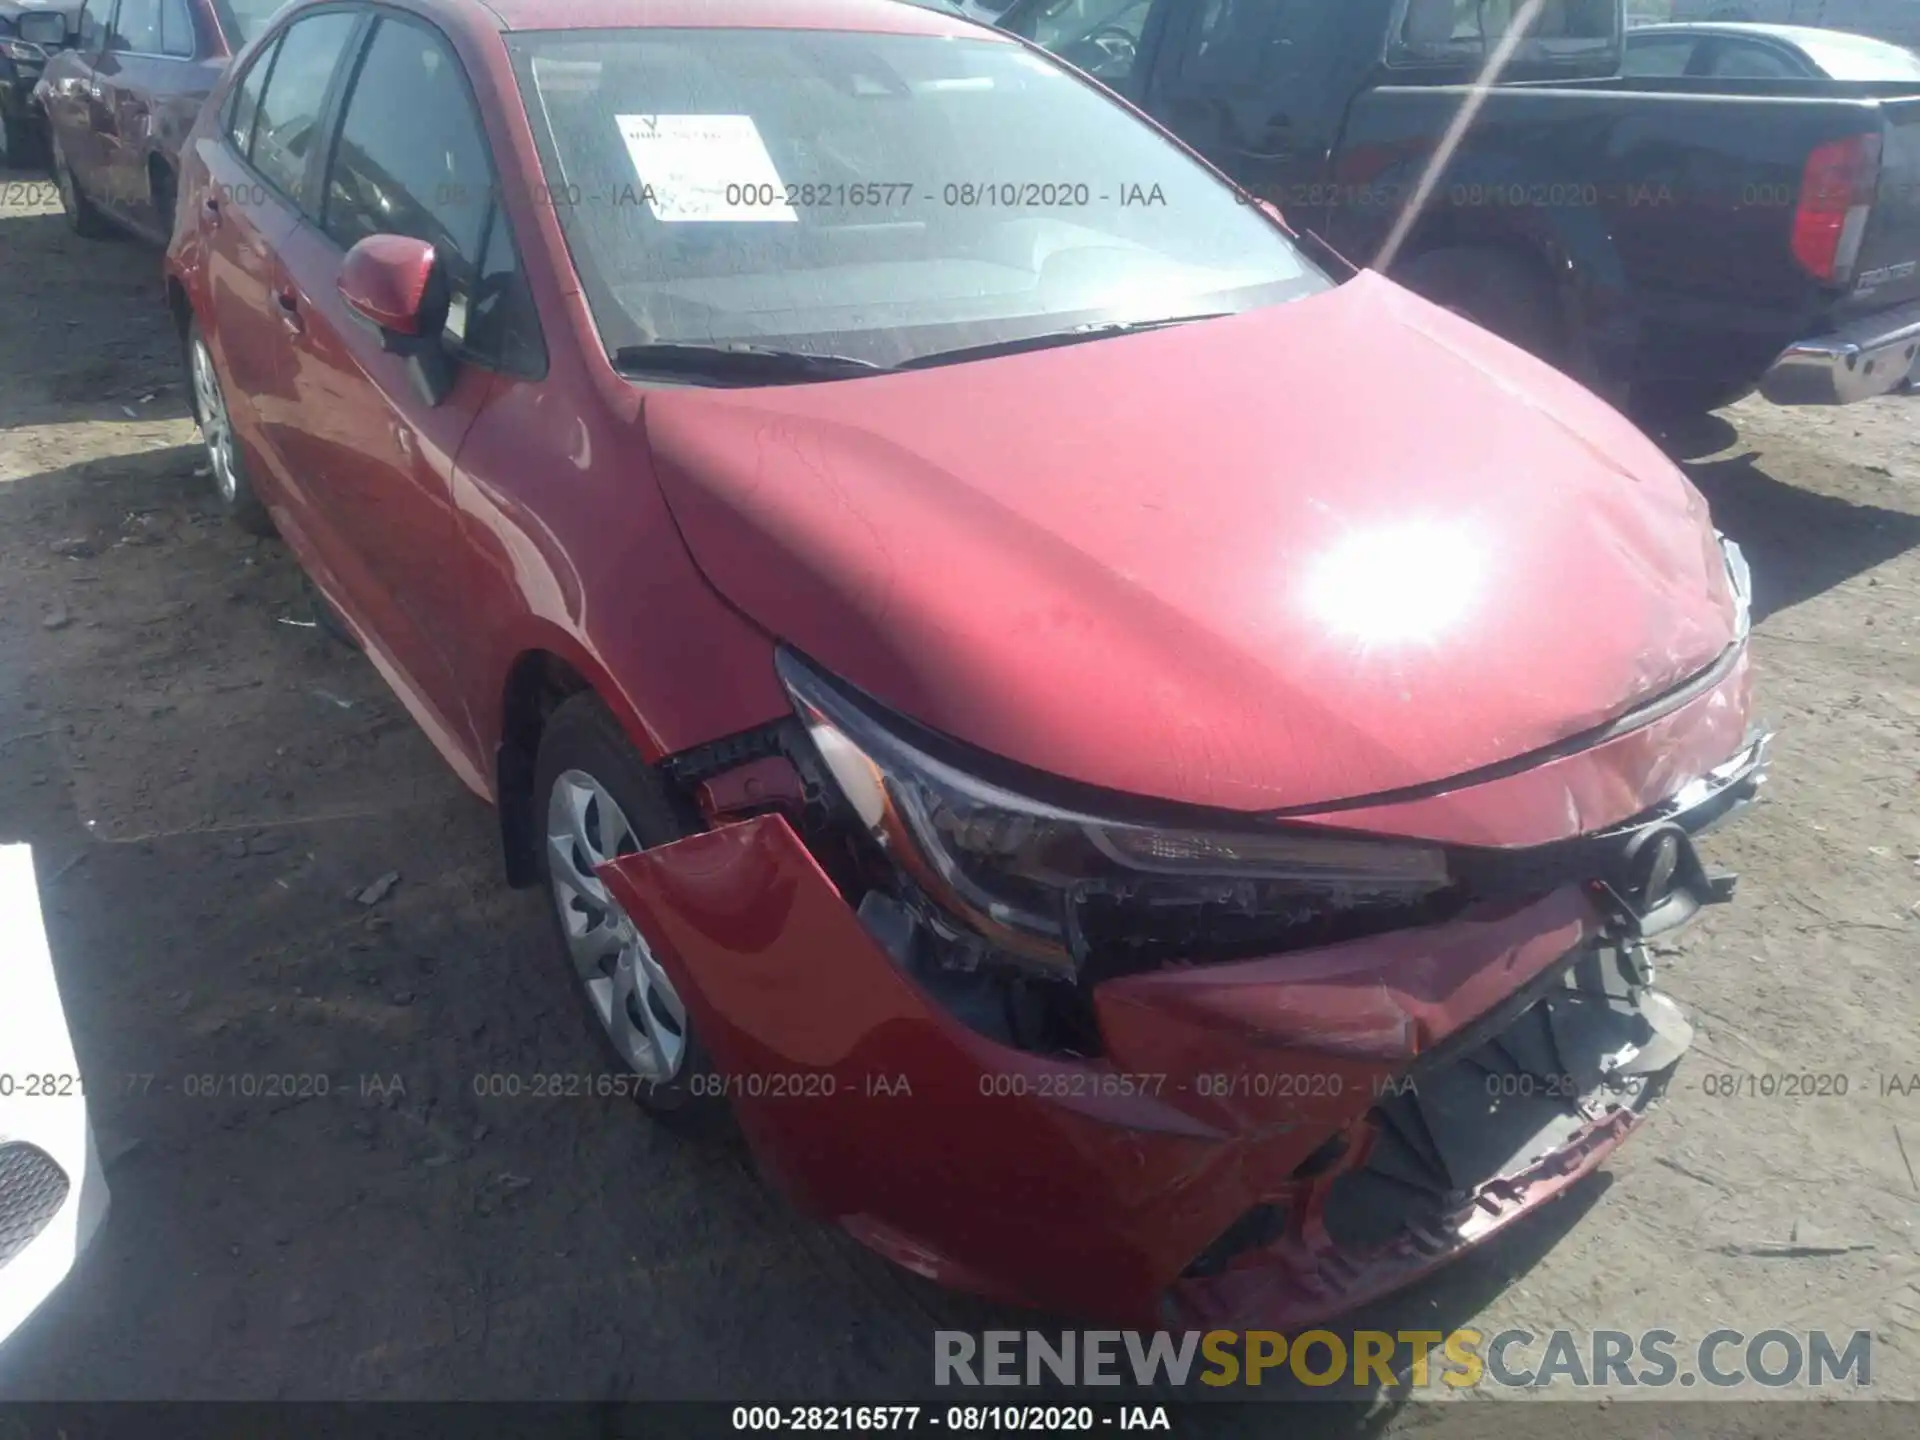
x,y
1247,1151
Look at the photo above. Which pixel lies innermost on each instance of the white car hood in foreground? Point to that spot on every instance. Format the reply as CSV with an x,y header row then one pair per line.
x,y
34,1043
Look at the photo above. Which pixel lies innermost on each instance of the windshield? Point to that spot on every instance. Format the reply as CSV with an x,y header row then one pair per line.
x,y
1454,31
1855,57
876,197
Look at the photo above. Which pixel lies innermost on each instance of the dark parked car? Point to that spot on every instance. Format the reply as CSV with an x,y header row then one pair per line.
x,y
1765,52
1055,704
30,32
1672,243
120,101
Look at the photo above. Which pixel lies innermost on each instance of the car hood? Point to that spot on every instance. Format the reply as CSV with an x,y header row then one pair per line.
x,y
1314,552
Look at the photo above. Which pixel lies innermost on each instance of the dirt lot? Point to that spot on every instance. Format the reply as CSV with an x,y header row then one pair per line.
x,y
207,783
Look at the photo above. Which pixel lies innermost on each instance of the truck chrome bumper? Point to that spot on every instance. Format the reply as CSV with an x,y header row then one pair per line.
x,y
1869,357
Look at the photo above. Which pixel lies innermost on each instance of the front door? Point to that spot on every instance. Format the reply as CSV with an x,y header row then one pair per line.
x,y
71,85
373,455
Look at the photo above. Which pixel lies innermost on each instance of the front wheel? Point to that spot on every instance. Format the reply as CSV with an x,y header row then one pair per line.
x,y
600,801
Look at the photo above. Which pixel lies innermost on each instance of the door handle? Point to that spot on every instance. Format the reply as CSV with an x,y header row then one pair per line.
x,y
289,306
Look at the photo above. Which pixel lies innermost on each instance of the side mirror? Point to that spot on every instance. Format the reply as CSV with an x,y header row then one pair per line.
x,y
45,28
397,285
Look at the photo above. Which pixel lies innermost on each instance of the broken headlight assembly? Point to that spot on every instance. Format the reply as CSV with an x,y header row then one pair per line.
x,y
1071,895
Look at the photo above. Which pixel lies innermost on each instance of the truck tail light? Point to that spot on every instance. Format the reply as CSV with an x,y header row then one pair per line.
x,y
1836,197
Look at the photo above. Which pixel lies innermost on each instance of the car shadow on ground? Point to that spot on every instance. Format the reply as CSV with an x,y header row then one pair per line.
x,y
1800,543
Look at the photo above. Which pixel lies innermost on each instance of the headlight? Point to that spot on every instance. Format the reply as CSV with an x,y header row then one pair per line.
x,y
1741,579
1050,886
24,50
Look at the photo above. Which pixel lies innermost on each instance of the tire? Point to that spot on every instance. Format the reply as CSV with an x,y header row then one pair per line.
x,y
165,193
19,142
82,217
230,480
584,765
1497,291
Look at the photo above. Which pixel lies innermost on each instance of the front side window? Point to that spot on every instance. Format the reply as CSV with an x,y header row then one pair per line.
x,y
295,94
1101,37
1453,32
1236,42
412,160
877,197
136,27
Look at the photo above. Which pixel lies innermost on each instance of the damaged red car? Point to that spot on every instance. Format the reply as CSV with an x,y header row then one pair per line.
x,y
1137,762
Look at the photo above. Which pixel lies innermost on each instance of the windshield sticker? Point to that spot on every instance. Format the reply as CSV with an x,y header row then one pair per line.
x,y
705,167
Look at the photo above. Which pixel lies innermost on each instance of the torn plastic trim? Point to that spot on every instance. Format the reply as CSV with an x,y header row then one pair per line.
x,y
1085,1185
692,767
1496,1122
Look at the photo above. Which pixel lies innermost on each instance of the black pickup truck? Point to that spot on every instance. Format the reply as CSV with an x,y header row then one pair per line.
x,y
1673,243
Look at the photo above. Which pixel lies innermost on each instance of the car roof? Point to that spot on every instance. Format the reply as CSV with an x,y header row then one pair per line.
x,y
880,17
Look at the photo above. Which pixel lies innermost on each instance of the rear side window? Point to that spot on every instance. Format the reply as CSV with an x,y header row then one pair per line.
x,y
1667,56
136,27
93,28
246,101
288,125
176,29
1735,61
1454,32
241,20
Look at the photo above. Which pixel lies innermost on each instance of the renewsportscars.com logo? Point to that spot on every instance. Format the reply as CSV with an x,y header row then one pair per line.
x,y
1720,1361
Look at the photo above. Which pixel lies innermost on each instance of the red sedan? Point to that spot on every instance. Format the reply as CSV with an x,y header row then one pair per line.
x,y
1137,762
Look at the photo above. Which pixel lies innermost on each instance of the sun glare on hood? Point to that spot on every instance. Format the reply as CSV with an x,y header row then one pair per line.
x,y
1406,583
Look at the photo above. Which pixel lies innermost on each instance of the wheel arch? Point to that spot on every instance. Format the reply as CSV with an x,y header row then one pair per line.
x,y
1576,259
549,667
538,682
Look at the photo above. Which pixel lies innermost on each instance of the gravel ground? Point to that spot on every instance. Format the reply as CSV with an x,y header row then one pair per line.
x,y
209,785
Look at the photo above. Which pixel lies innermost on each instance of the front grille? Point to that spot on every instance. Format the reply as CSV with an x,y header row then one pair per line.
x,y
33,1187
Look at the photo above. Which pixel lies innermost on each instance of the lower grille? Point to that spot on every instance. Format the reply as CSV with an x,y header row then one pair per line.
x,y
33,1187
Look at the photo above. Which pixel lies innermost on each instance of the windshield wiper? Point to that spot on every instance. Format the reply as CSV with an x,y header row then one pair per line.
x,y
1100,330
738,364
